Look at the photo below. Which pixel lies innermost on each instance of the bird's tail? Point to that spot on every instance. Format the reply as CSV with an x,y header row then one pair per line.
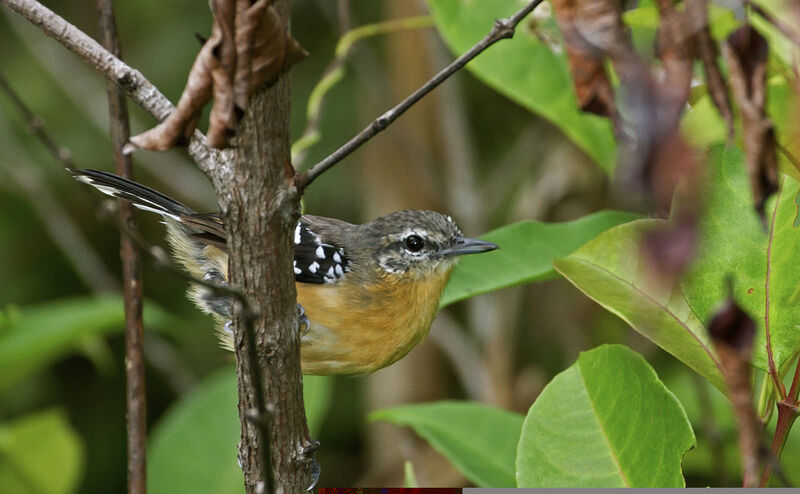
x,y
140,196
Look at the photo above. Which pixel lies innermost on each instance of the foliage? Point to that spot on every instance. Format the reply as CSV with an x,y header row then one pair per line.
x,y
607,421
32,338
528,249
480,440
40,454
194,447
525,69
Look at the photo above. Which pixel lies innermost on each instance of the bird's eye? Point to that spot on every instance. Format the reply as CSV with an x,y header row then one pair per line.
x,y
414,243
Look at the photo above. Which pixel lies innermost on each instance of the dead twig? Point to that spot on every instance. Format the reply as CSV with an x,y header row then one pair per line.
x,y
135,85
503,28
135,389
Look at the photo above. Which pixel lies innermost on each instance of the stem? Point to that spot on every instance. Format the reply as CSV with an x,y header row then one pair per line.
x,y
135,85
773,371
335,72
787,413
503,28
136,398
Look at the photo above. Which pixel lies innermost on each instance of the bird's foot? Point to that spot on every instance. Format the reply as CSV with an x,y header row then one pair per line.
x,y
304,323
315,467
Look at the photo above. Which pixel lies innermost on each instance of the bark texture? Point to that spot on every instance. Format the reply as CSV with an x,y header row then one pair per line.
x,y
261,206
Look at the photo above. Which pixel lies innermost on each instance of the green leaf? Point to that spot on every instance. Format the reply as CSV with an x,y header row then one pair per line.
x,y
702,125
610,270
193,448
525,70
479,440
606,421
34,337
40,454
526,252
733,243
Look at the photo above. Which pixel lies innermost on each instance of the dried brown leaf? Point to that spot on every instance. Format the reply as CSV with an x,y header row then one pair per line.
x,y
746,53
222,119
589,77
178,127
249,46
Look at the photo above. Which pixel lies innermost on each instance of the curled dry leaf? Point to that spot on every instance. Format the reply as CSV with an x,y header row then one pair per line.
x,y
249,46
221,120
746,54
586,50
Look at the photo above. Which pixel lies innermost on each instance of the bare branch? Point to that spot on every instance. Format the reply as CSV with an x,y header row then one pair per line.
x,y
136,396
62,230
135,85
335,73
707,50
791,33
503,28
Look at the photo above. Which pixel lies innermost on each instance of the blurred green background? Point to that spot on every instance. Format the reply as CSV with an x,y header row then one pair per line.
x,y
465,150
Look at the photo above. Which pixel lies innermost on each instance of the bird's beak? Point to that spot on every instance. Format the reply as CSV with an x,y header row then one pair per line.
x,y
469,246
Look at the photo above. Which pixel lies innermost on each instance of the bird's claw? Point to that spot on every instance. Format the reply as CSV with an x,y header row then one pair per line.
x,y
309,450
303,321
315,471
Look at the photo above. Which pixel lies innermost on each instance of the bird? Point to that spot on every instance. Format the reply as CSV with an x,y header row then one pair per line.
x,y
367,294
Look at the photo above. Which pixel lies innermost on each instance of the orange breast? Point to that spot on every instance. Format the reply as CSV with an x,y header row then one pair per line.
x,y
357,330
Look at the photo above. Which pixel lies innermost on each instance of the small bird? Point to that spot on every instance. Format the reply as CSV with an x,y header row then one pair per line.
x,y
367,293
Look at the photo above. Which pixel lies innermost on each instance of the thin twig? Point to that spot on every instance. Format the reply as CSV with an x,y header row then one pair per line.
x,y
36,125
503,28
773,370
335,73
175,173
792,34
65,234
135,389
708,53
135,85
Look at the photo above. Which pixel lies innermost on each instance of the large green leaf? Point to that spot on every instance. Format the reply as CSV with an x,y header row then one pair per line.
x,y
193,448
479,440
611,271
524,69
33,337
527,250
733,243
40,454
606,421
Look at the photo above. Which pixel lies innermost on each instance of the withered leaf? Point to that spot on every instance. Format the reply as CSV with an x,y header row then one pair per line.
x,y
589,78
593,32
746,54
249,46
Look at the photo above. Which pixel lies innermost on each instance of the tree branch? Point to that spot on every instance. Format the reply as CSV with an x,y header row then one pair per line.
x,y
136,397
135,85
503,28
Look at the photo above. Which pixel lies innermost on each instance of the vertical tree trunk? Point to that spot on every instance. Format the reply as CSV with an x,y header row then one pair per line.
x,y
260,205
